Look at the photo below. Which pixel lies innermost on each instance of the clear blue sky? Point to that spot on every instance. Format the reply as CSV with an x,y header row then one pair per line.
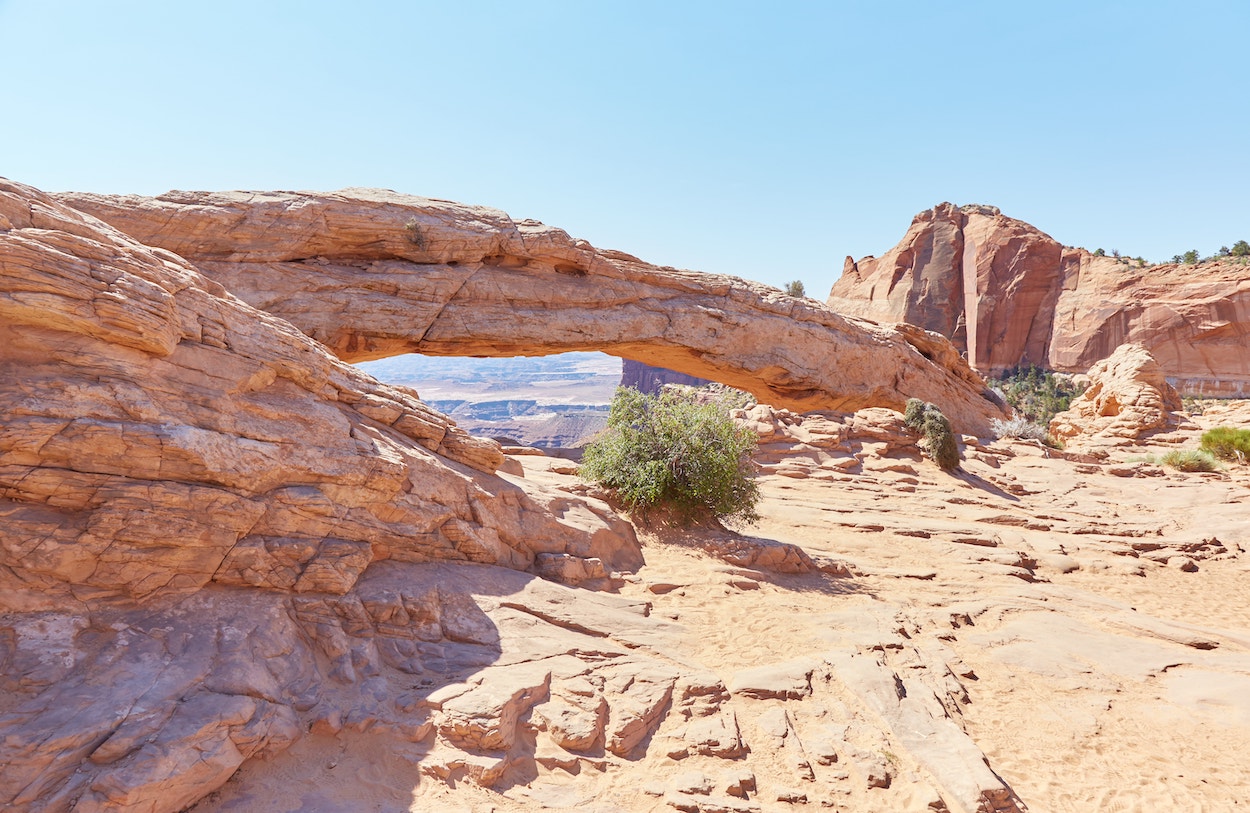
x,y
765,140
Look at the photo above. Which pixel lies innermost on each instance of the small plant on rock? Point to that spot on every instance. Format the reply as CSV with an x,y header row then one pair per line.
x,y
1189,460
939,440
1019,427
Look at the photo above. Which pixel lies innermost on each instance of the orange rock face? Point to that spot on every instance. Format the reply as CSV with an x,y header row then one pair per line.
x,y
1007,294
371,273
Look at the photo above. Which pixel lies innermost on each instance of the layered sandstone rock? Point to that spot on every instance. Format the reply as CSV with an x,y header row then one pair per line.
x,y
144,402
371,273
1128,397
1007,294
191,492
1194,319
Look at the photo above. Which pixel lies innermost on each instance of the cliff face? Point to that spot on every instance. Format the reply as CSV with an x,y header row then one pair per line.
x,y
648,379
1007,294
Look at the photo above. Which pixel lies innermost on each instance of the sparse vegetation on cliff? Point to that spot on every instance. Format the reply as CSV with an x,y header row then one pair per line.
x,y
675,451
796,288
938,441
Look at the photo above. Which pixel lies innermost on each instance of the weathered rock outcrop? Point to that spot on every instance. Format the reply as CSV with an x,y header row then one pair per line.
x,y
968,273
1006,294
191,490
144,402
1128,397
372,273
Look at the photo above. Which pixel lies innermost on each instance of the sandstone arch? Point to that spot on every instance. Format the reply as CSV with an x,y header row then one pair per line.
x,y
372,273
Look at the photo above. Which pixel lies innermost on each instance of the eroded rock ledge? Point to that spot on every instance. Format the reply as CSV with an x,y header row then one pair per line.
x,y
371,273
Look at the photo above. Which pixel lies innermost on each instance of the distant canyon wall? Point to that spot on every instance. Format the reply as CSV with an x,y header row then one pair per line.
x,y
648,379
1008,294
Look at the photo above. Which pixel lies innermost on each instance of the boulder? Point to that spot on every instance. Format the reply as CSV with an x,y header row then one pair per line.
x,y
1128,397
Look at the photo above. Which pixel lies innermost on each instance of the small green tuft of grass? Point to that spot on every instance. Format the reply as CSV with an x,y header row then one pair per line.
x,y
1227,443
1189,460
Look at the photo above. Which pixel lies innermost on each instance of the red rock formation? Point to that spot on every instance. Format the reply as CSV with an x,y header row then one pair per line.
x,y
984,280
191,493
372,273
1006,294
1194,319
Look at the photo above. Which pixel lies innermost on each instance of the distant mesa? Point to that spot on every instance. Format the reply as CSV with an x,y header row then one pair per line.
x,y
1007,294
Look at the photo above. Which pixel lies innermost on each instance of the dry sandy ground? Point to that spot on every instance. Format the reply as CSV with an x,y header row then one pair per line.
x,y
1094,616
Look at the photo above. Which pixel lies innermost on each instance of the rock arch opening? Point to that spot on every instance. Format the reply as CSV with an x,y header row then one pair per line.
x,y
343,268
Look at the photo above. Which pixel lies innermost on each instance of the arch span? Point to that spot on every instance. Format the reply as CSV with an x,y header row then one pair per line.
x,y
372,274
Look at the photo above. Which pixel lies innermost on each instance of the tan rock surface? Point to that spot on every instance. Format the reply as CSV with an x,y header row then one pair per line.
x,y
1019,632
372,273
1008,294
1128,397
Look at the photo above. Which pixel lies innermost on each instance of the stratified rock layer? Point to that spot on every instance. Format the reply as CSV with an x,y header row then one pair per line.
x,y
160,433
1007,294
371,273
190,491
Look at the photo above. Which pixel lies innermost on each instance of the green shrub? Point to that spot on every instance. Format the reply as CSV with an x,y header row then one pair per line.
x,y
913,414
1189,460
1036,394
796,289
1227,443
938,441
674,452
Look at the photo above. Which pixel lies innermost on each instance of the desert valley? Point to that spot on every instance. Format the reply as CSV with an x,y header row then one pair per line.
x,y
240,572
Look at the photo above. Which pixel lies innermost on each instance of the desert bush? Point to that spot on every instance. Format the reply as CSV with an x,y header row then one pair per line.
x,y
675,452
913,414
1227,443
1189,460
938,440
1019,427
415,234
1036,394
796,288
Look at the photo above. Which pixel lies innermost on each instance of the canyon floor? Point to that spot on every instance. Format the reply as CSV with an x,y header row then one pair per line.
x,y
1080,625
